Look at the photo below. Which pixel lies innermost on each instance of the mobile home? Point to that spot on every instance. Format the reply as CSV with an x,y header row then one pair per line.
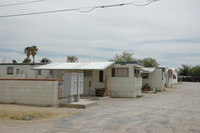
x,y
154,77
121,79
169,77
23,71
125,79
175,76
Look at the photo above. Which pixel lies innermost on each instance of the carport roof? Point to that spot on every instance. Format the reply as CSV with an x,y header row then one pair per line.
x,y
148,69
76,66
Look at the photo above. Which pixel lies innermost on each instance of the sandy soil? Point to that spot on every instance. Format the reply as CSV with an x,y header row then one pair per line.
x,y
176,110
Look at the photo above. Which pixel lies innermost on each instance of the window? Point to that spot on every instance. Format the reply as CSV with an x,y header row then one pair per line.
x,y
39,72
174,77
17,71
136,73
101,76
120,72
145,75
87,73
113,72
9,70
51,72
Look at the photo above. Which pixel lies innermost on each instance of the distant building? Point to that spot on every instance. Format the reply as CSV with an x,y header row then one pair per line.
x,y
23,71
175,76
72,59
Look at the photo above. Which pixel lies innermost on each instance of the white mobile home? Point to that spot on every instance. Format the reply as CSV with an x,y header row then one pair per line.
x,y
115,79
154,77
125,79
22,71
95,73
169,77
175,76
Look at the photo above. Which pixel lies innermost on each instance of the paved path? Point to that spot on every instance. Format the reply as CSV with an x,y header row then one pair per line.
x,y
176,110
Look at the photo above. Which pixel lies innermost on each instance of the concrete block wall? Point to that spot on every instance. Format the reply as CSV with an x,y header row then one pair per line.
x,y
30,92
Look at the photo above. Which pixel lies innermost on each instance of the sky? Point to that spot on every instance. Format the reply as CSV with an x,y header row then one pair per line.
x,y
167,30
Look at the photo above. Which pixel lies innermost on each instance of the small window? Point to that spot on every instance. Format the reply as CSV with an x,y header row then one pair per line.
x,y
120,72
113,72
51,72
17,71
87,73
145,75
9,70
101,76
136,73
39,72
174,77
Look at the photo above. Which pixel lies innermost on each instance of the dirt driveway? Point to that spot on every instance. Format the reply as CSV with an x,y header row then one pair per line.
x,y
176,110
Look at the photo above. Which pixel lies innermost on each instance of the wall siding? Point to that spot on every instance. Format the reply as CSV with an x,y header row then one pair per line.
x,y
125,86
155,80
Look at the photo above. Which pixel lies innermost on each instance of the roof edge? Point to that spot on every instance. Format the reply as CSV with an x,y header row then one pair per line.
x,y
129,62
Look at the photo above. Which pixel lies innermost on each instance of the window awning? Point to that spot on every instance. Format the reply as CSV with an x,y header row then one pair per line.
x,y
148,69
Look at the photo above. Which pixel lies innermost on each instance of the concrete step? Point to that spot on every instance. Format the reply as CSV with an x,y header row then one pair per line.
x,y
83,103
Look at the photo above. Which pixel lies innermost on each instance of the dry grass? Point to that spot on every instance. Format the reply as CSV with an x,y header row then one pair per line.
x,y
27,114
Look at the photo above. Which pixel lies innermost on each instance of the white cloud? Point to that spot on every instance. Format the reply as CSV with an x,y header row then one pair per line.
x,y
100,34
11,56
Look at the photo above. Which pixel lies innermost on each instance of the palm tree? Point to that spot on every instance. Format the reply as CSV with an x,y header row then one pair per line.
x,y
34,51
27,51
26,60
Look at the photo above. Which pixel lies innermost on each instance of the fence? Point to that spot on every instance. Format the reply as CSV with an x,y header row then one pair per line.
x,y
189,78
40,92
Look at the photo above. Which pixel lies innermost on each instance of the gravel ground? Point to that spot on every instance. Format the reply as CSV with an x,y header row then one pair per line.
x,y
176,110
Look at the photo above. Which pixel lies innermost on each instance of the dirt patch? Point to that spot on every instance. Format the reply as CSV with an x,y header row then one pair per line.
x,y
27,113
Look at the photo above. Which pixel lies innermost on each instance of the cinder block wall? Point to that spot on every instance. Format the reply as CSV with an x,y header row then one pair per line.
x,y
30,92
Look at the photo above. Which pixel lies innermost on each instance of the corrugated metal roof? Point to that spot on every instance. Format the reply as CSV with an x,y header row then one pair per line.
x,y
148,69
75,66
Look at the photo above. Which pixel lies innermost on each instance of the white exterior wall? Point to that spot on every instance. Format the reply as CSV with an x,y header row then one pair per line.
x,y
30,92
26,72
94,79
156,80
88,85
125,86
87,90
138,86
58,74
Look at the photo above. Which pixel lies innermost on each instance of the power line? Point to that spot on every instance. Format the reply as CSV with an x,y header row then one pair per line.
x,y
84,9
114,5
21,3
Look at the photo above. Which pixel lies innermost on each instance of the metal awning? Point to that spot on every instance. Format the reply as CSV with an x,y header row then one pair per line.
x,y
148,69
75,66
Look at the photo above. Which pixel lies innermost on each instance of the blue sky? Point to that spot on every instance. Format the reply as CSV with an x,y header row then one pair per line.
x,y
167,30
